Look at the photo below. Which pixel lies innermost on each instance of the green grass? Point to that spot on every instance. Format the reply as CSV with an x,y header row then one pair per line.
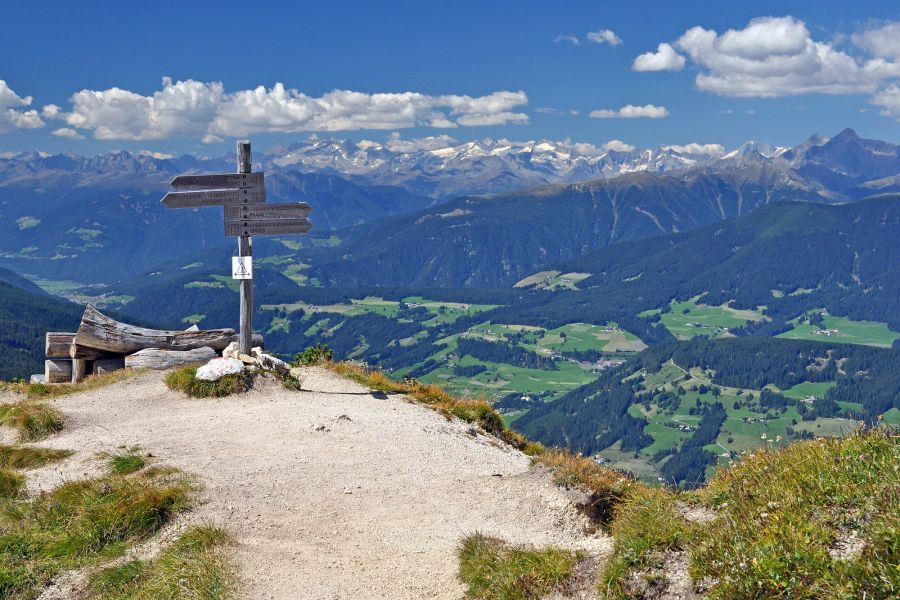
x,y
646,526
845,331
29,457
125,463
32,420
81,523
806,389
686,320
491,569
195,567
92,382
784,514
11,484
185,380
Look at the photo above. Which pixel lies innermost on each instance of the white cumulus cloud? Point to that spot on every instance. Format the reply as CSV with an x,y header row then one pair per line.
x,y
207,111
14,113
889,101
618,146
604,36
630,111
68,132
664,59
695,148
395,143
776,56
881,41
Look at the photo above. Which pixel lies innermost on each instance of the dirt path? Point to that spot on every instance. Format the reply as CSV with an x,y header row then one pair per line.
x,y
333,492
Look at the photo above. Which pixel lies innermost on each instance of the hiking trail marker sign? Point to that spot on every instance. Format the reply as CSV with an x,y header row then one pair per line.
x,y
243,194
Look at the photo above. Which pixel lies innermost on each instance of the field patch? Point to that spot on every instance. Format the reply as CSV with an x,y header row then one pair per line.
x,y
686,320
827,328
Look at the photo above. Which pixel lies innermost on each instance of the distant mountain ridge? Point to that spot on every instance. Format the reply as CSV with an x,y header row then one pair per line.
x,y
98,219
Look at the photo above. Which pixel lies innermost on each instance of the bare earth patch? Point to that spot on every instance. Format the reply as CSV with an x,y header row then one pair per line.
x,y
330,493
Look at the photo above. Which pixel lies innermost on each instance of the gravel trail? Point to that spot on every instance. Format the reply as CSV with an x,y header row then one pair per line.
x,y
331,492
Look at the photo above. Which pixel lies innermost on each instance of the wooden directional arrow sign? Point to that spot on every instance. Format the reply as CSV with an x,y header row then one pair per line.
x,y
238,196
270,227
224,180
266,212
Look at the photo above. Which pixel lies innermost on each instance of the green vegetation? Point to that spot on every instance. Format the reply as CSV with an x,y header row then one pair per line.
x,y
678,412
314,355
195,567
841,329
32,420
470,410
127,462
81,523
92,382
494,570
11,484
686,320
646,527
817,519
29,457
184,379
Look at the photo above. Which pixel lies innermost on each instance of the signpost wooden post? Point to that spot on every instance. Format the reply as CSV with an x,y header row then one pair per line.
x,y
243,194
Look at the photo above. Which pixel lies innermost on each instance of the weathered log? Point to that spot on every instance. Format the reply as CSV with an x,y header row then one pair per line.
x,y
100,332
56,344
155,358
57,370
107,365
79,351
81,368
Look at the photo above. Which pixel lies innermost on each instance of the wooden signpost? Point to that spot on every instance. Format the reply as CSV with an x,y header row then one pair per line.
x,y
243,194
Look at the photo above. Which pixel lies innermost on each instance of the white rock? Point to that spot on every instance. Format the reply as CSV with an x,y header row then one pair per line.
x,y
232,350
218,368
270,363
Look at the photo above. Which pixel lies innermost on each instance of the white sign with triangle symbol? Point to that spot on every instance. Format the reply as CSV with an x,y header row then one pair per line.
x,y
242,267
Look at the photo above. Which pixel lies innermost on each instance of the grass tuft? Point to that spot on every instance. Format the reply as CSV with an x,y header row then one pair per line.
x,y
32,420
80,523
790,519
11,484
647,525
125,463
494,570
195,567
607,488
29,457
471,410
185,380
92,382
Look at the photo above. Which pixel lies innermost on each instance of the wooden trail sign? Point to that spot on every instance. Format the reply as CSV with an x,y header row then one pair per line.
x,y
265,212
223,180
254,195
243,195
273,227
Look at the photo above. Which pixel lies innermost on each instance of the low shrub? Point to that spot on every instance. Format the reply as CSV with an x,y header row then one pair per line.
x,y
315,355
185,380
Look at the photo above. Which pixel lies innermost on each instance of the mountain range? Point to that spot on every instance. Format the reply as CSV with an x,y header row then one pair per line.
x,y
98,220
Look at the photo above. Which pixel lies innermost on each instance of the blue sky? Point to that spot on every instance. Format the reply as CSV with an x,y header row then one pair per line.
x,y
473,70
